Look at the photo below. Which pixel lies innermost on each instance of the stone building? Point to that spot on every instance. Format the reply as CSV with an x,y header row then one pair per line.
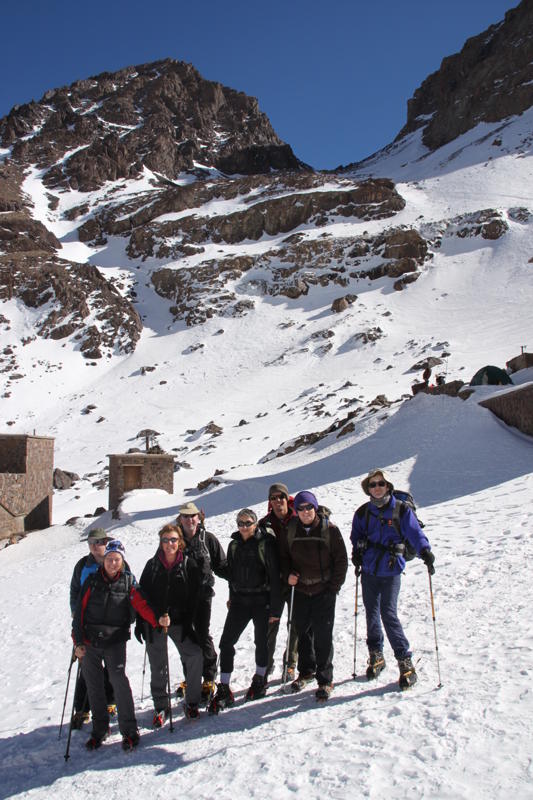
x,y
514,407
128,471
523,361
26,475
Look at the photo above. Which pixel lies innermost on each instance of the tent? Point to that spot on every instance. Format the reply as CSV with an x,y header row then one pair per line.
x,y
490,376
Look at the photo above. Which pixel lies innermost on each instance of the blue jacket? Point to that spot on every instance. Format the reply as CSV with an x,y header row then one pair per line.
x,y
381,532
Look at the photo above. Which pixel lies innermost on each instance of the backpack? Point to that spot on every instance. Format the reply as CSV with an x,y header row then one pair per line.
x,y
404,500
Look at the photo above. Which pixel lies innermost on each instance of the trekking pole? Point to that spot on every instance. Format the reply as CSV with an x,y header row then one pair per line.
x,y
72,660
356,611
168,686
67,751
144,673
287,651
434,628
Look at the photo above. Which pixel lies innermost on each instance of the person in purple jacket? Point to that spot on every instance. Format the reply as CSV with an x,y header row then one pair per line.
x,y
378,537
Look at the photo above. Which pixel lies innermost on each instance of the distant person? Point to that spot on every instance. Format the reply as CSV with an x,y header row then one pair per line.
x,y
254,582
314,561
209,555
280,505
378,557
97,539
100,630
171,583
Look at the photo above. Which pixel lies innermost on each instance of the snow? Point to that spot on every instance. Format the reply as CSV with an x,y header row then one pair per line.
x,y
470,474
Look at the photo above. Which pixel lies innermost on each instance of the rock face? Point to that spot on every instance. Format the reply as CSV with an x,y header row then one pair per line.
x,y
164,116
69,293
489,80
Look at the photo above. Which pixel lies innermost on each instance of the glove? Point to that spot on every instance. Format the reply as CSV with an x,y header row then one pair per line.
x,y
428,558
139,631
357,560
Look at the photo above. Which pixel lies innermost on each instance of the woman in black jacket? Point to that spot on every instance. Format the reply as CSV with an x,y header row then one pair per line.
x,y
100,629
255,594
171,582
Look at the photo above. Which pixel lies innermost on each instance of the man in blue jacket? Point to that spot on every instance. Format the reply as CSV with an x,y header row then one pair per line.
x,y
379,534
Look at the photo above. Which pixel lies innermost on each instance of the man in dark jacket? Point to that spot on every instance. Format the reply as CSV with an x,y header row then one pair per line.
x,y
314,561
97,539
254,581
209,555
171,582
280,512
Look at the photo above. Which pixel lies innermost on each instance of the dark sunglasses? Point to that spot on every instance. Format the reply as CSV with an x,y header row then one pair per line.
x,y
169,540
245,523
373,484
102,542
274,498
305,507
188,516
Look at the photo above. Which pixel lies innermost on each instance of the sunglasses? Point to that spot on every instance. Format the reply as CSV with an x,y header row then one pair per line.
x,y
245,523
100,542
373,484
277,498
188,516
169,540
305,507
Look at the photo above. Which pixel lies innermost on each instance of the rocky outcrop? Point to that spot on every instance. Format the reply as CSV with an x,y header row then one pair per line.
x,y
20,233
163,116
489,80
69,295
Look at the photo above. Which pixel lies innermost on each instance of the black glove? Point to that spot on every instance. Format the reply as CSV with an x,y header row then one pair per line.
x,y
139,631
428,558
357,559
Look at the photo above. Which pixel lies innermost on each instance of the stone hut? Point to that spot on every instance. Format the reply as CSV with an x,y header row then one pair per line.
x,y
26,483
523,361
128,471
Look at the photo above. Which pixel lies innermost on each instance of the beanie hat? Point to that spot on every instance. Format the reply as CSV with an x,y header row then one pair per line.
x,y
372,474
278,488
114,546
305,497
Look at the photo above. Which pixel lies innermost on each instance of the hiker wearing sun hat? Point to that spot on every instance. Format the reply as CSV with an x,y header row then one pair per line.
x,y
104,612
381,530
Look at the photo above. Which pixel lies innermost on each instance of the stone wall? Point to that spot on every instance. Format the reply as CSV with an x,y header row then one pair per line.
x,y
515,408
26,491
155,472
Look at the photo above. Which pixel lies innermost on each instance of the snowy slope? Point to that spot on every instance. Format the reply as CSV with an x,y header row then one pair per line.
x,y
471,475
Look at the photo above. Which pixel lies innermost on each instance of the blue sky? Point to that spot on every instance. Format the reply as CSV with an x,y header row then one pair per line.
x,y
333,77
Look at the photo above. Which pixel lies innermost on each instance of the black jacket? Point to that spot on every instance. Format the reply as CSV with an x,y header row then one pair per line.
x,y
253,568
209,555
173,590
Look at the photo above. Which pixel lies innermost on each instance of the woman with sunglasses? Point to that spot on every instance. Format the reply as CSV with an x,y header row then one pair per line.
x,y
254,581
378,557
171,581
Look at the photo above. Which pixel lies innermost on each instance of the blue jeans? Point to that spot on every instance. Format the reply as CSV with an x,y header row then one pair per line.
x,y
380,597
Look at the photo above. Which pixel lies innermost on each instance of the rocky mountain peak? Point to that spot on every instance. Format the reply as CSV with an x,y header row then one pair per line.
x,y
489,80
162,115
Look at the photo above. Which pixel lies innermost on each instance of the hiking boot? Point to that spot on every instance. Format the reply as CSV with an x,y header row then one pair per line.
x,y
223,699
291,674
408,674
257,688
129,742
323,692
192,711
112,709
180,691
79,718
302,681
159,718
376,664
95,740
208,690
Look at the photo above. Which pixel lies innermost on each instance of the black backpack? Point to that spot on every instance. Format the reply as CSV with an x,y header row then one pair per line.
x,y
404,500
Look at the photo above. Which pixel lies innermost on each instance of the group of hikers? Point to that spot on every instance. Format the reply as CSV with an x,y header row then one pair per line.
x,y
293,556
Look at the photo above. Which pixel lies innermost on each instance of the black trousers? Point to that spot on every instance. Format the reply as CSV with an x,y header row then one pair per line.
x,y
243,608
315,613
81,697
202,621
